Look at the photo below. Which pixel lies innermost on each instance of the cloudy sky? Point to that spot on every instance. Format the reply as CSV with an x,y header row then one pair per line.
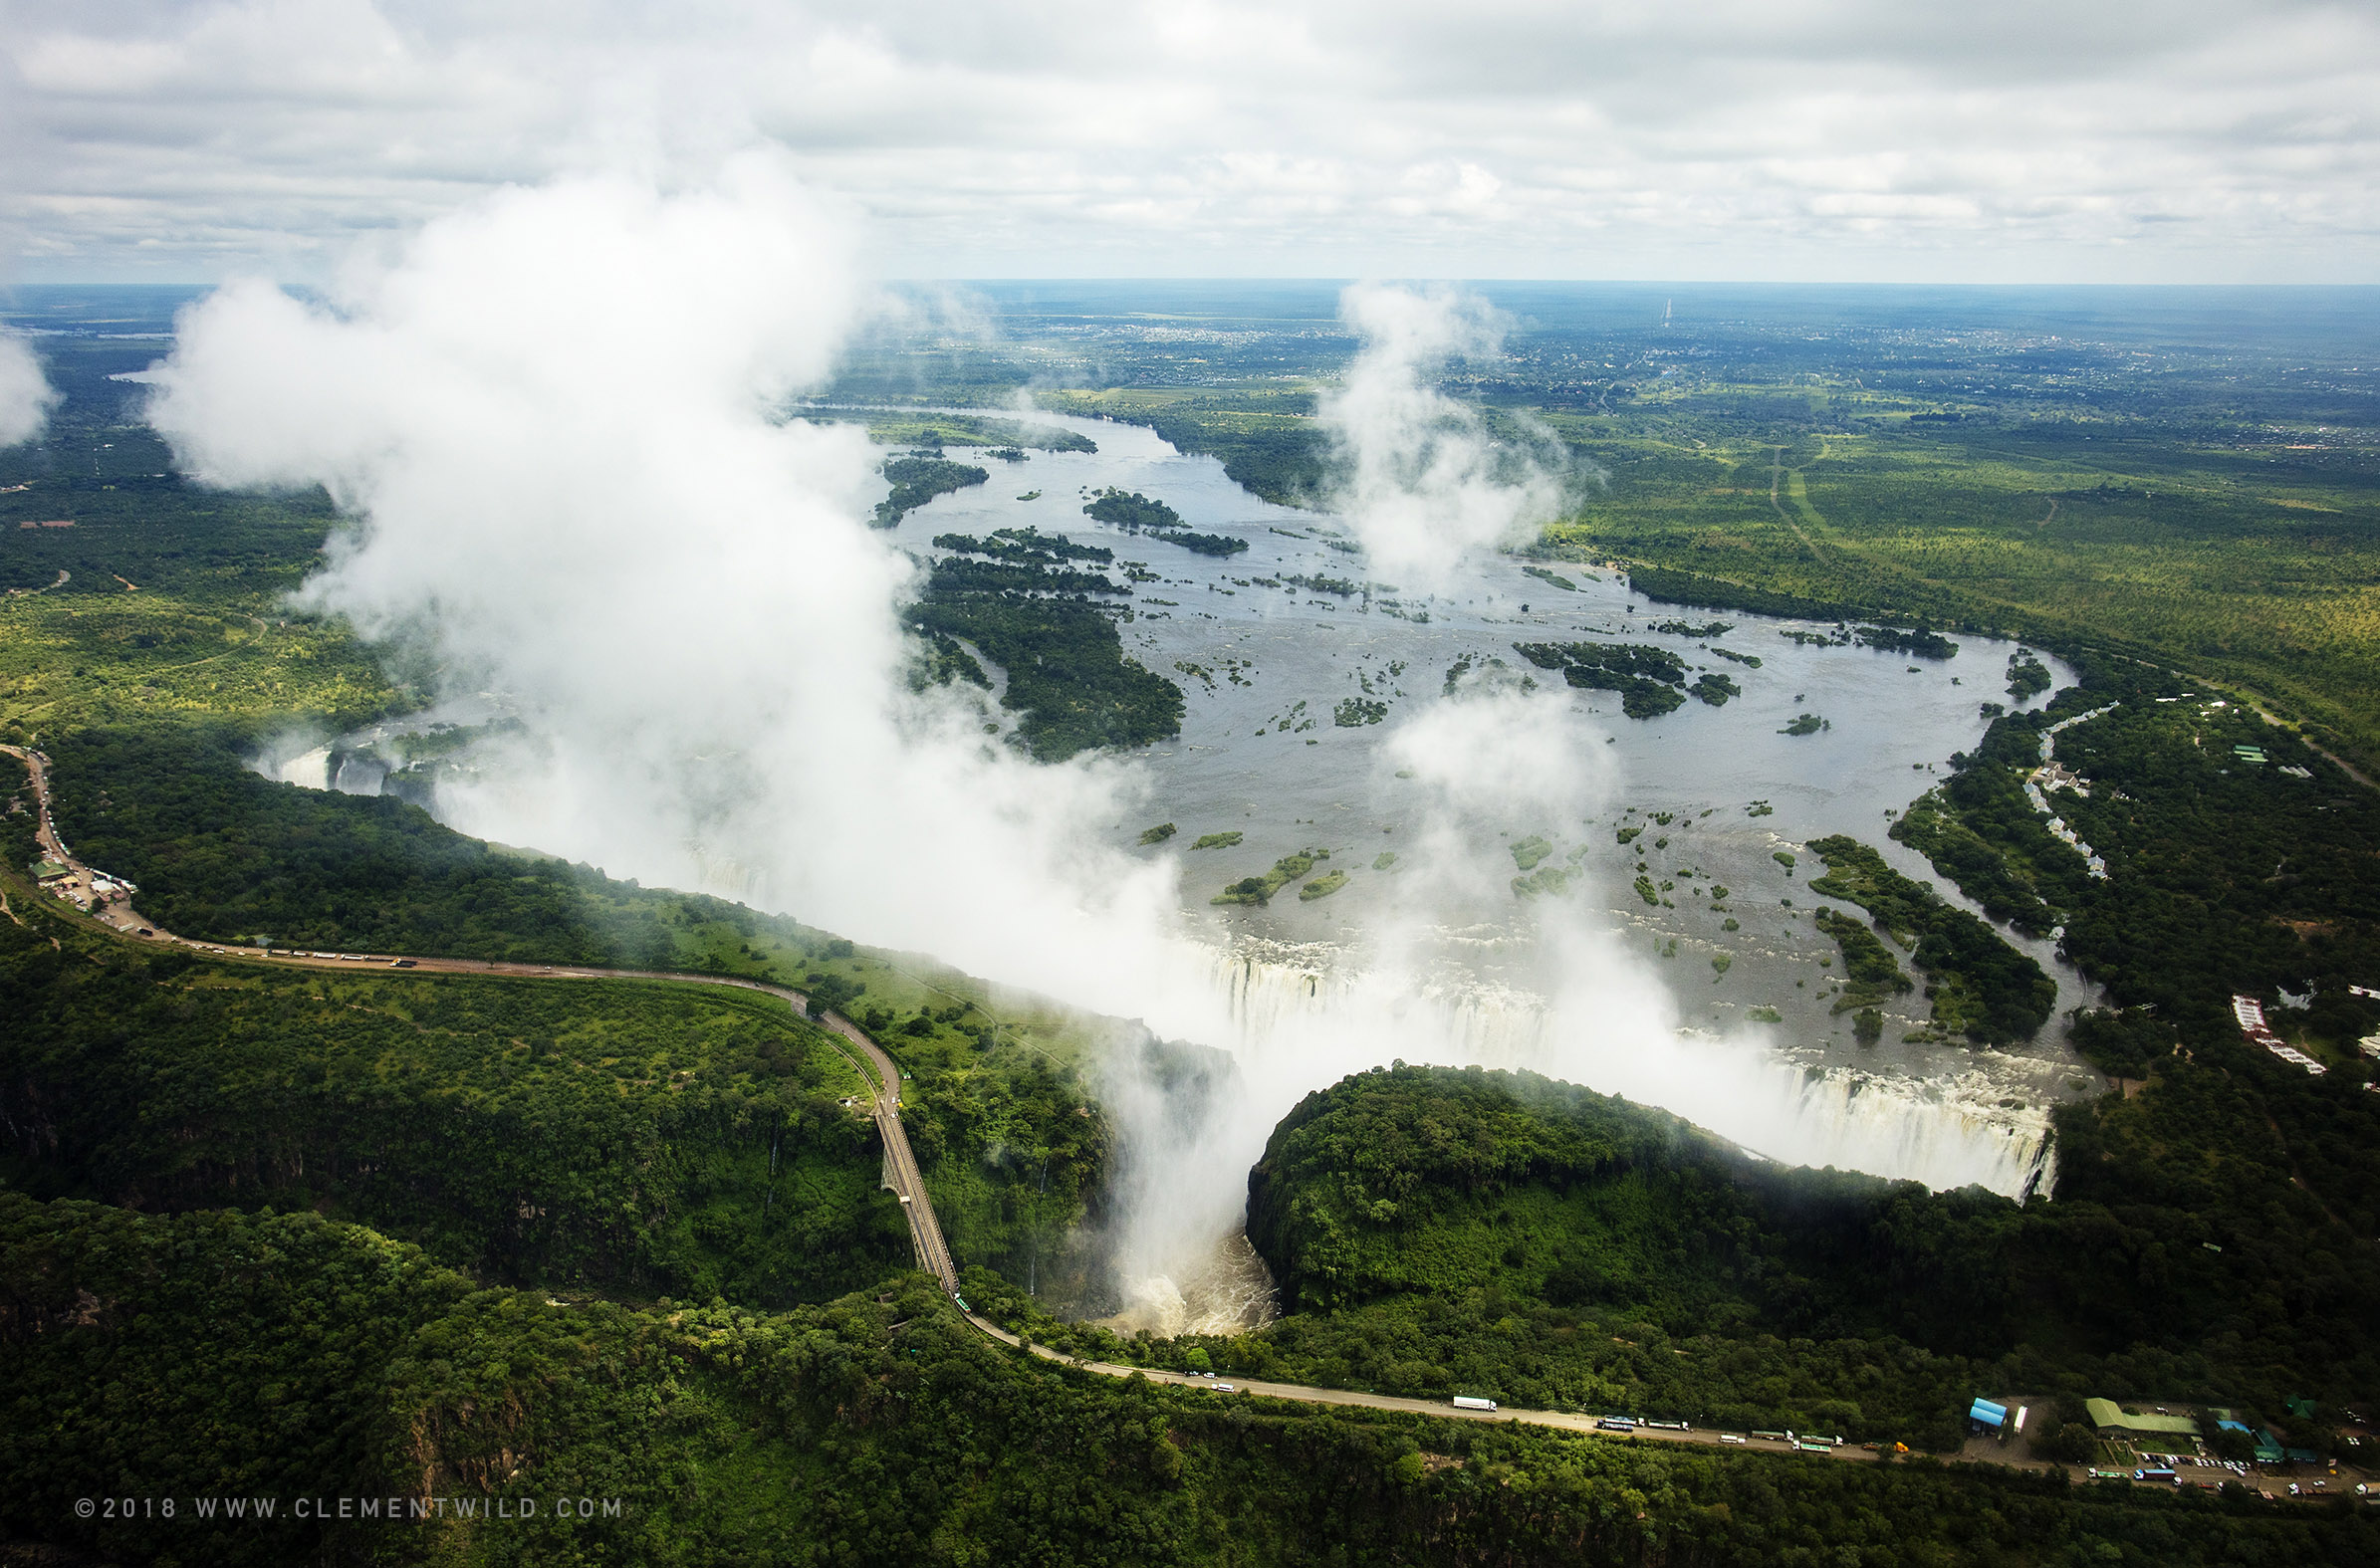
x,y
2001,140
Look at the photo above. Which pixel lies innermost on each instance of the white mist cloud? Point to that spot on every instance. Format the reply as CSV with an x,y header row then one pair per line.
x,y
25,395
1424,482
548,414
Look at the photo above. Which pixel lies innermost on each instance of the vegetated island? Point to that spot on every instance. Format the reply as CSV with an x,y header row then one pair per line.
x,y
1001,437
919,479
1647,678
1031,614
1979,985
1260,889
1135,513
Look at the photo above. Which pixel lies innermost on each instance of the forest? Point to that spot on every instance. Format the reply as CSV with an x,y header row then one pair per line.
x,y
1069,681
993,1115
873,1428
1440,1231
636,1138
2224,874
221,852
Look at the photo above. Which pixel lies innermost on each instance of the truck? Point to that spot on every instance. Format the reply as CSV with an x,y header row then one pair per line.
x,y
1614,1423
1465,1401
2160,1473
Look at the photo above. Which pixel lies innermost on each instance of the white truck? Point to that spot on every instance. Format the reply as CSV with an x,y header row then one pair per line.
x,y
1465,1401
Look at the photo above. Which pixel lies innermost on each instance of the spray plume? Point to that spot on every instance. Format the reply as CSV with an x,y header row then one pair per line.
x,y
25,395
1423,482
549,417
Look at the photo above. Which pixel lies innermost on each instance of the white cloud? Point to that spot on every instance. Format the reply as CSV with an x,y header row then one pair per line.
x,y
25,395
2204,140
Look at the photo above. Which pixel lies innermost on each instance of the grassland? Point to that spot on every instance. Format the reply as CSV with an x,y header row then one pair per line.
x,y
2227,558
173,603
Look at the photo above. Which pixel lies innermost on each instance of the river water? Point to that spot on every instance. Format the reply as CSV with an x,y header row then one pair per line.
x,y
1737,789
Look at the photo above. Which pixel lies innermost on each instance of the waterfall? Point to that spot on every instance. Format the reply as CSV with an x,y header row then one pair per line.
x,y
1986,1123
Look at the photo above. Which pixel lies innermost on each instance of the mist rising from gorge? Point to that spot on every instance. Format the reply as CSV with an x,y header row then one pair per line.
x,y
550,419
26,396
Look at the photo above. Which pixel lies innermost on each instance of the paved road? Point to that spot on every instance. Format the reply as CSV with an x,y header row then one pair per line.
x,y
1568,1421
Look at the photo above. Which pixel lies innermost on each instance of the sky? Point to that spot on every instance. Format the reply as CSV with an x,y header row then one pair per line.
x,y
2002,141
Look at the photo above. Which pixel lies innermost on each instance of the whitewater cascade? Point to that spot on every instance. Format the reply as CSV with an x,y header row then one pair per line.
x,y
1983,1125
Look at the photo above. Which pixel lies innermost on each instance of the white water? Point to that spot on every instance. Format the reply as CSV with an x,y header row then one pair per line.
x,y
1951,1129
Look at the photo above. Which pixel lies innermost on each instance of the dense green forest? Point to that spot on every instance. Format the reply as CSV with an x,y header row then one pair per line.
x,y
1442,1231
216,850
2224,873
877,1429
635,1137
220,852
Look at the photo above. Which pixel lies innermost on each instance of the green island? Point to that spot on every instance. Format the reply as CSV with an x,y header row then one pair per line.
x,y
1135,513
1647,678
1000,437
918,480
1026,547
1979,985
1069,681
1260,889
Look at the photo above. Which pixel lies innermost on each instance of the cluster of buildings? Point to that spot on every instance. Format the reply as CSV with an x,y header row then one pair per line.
x,y
2163,1434
2053,775
2251,1013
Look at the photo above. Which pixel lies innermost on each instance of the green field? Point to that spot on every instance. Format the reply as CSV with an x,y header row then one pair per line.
x,y
2235,561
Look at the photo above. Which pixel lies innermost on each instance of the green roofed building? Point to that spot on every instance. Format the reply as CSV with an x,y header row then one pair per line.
x,y
2110,1418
